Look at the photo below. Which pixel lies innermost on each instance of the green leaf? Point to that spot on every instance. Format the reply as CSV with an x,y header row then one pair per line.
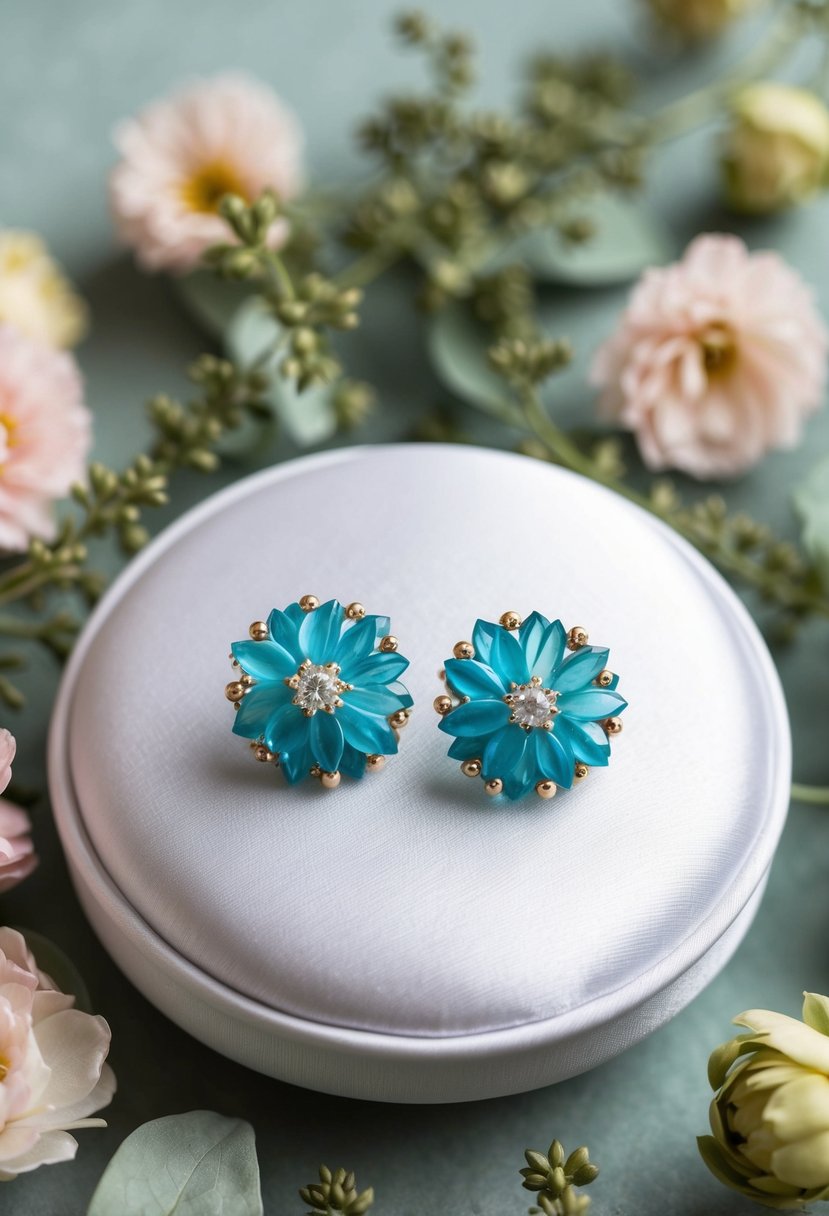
x,y
816,1011
458,347
60,969
626,240
210,300
811,502
308,417
196,1164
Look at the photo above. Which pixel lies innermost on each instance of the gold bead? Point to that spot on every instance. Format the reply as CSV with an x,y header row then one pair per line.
x,y
374,763
389,644
580,772
330,781
510,620
308,603
262,753
355,611
605,678
235,690
443,705
442,674
613,726
546,789
471,768
399,719
577,637
494,787
259,631
247,680
463,650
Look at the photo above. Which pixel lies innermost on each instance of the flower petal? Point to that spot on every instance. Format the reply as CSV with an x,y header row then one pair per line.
x,y
265,661
507,658
531,636
284,627
800,1109
358,640
319,633
326,741
296,764
804,1163
555,757
550,652
580,669
482,636
591,704
367,732
287,729
48,1149
587,740
257,707
377,699
475,718
471,678
377,668
352,762
74,1046
504,751
789,1036
468,747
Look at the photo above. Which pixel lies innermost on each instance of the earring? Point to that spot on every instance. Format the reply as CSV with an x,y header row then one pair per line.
x,y
523,711
316,690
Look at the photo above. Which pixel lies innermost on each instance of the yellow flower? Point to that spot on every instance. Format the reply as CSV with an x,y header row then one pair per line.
x,y
34,296
696,20
770,1116
777,151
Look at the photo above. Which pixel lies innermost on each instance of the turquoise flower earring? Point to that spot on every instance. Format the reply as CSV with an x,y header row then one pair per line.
x,y
526,714
316,690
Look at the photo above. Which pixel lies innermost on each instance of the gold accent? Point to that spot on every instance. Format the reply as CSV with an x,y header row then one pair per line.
x,y
605,678
247,680
546,789
577,637
235,690
388,644
262,753
374,762
308,603
330,781
471,768
443,705
259,631
355,611
399,719
292,681
494,787
207,185
463,650
612,726
510,620
580,772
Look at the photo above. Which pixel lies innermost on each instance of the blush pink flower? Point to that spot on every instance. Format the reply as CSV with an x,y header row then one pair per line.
x,y
45,435
17,854
53,1073
717,359
228,135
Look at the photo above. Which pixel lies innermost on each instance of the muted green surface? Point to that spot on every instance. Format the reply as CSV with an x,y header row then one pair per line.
x,y
69,71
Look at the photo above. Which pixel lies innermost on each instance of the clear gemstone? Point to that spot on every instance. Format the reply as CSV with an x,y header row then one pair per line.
x,y
318,688
532,705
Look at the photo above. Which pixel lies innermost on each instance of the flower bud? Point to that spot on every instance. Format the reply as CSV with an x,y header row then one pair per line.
x,y
777,151
697,20
770,1115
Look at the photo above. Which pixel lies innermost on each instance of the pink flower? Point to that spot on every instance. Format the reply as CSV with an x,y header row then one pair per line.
x,y
45,434
52,1063
717,359
228,135
17,854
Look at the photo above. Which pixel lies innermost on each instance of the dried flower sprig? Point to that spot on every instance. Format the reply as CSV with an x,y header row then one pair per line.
x,y
336,1192
555,1178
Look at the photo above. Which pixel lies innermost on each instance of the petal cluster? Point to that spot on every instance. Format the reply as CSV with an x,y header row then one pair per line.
x,y
337,738
504,662
717,359
54,1074
226,135
770,1115
17,854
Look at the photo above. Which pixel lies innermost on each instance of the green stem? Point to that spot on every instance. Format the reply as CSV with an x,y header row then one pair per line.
x,y
280,274
366,269
814,794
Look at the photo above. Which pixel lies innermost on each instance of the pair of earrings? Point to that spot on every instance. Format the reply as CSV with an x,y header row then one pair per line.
x,y
316,690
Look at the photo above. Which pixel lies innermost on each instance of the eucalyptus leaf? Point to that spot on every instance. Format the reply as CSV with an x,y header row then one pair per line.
x,y
458,347
811,501
196,1164
210,300
60,969
625,240
253,332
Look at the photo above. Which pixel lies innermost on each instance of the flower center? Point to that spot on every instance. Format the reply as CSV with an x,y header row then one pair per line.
x,y
5,1068
719,348
207,185
317,687
532,705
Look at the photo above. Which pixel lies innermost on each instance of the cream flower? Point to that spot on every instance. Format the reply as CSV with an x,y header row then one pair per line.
x,y
53,1073
45,434
717,359
228,135
34,295
696,20
770,1117
17,855
777,151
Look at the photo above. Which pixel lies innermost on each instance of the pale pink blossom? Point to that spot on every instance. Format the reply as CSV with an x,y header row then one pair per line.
x,y
226,135
717,359
45,435
17,854
54,1074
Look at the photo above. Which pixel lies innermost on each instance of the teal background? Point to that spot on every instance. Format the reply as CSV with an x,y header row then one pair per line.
x,y
69,71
